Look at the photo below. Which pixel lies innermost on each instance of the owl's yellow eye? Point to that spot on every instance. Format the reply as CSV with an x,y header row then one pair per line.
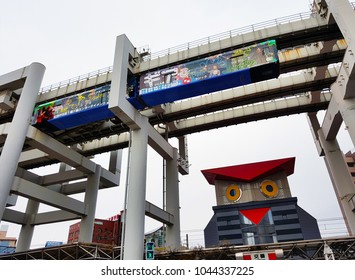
x,y
269,188
233,193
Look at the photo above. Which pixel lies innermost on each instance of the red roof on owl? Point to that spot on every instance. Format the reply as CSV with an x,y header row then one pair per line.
x,y
251,171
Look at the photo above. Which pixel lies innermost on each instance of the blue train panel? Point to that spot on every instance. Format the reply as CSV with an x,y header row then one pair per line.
x,y
137,102
79,118
222,71
172,94
76,110
218,72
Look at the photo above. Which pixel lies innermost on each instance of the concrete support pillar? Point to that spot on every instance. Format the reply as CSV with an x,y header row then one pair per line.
x,y
27,230
15,139
115,162
173,202
348,115
136,193
340,110
90,200
183,151
117,99
341,178
63,167
315,126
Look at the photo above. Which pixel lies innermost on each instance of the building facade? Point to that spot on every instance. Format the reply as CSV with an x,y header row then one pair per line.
x,y
255,206
105,231
109,231
7,244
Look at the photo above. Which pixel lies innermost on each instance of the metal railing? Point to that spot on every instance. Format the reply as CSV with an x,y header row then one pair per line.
x,y
189,45
76,79
231,33
186,46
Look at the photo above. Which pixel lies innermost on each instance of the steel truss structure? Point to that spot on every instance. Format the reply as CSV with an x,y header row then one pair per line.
x,y
77,251
342,249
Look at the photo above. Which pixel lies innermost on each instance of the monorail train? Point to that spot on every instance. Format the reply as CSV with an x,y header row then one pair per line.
x,y
75,110
218,72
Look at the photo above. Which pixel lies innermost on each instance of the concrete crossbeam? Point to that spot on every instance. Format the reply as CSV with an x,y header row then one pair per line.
x,y
158,214
53,217
59,151
33,191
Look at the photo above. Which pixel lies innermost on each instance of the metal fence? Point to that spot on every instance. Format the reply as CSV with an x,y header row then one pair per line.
x,y
76,79
231,33
186,46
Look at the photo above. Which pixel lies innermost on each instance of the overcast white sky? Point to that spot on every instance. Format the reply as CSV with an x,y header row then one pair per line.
x,y
75,37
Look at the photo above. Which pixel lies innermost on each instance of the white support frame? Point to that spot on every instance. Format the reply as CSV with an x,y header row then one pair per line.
x,y
142,134
341,109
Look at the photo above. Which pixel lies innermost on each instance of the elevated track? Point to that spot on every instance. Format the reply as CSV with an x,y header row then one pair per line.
x,y
311,50
301,39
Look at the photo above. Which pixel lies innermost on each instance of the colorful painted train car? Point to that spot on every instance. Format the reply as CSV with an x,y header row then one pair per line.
x,y
75,110
218,72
